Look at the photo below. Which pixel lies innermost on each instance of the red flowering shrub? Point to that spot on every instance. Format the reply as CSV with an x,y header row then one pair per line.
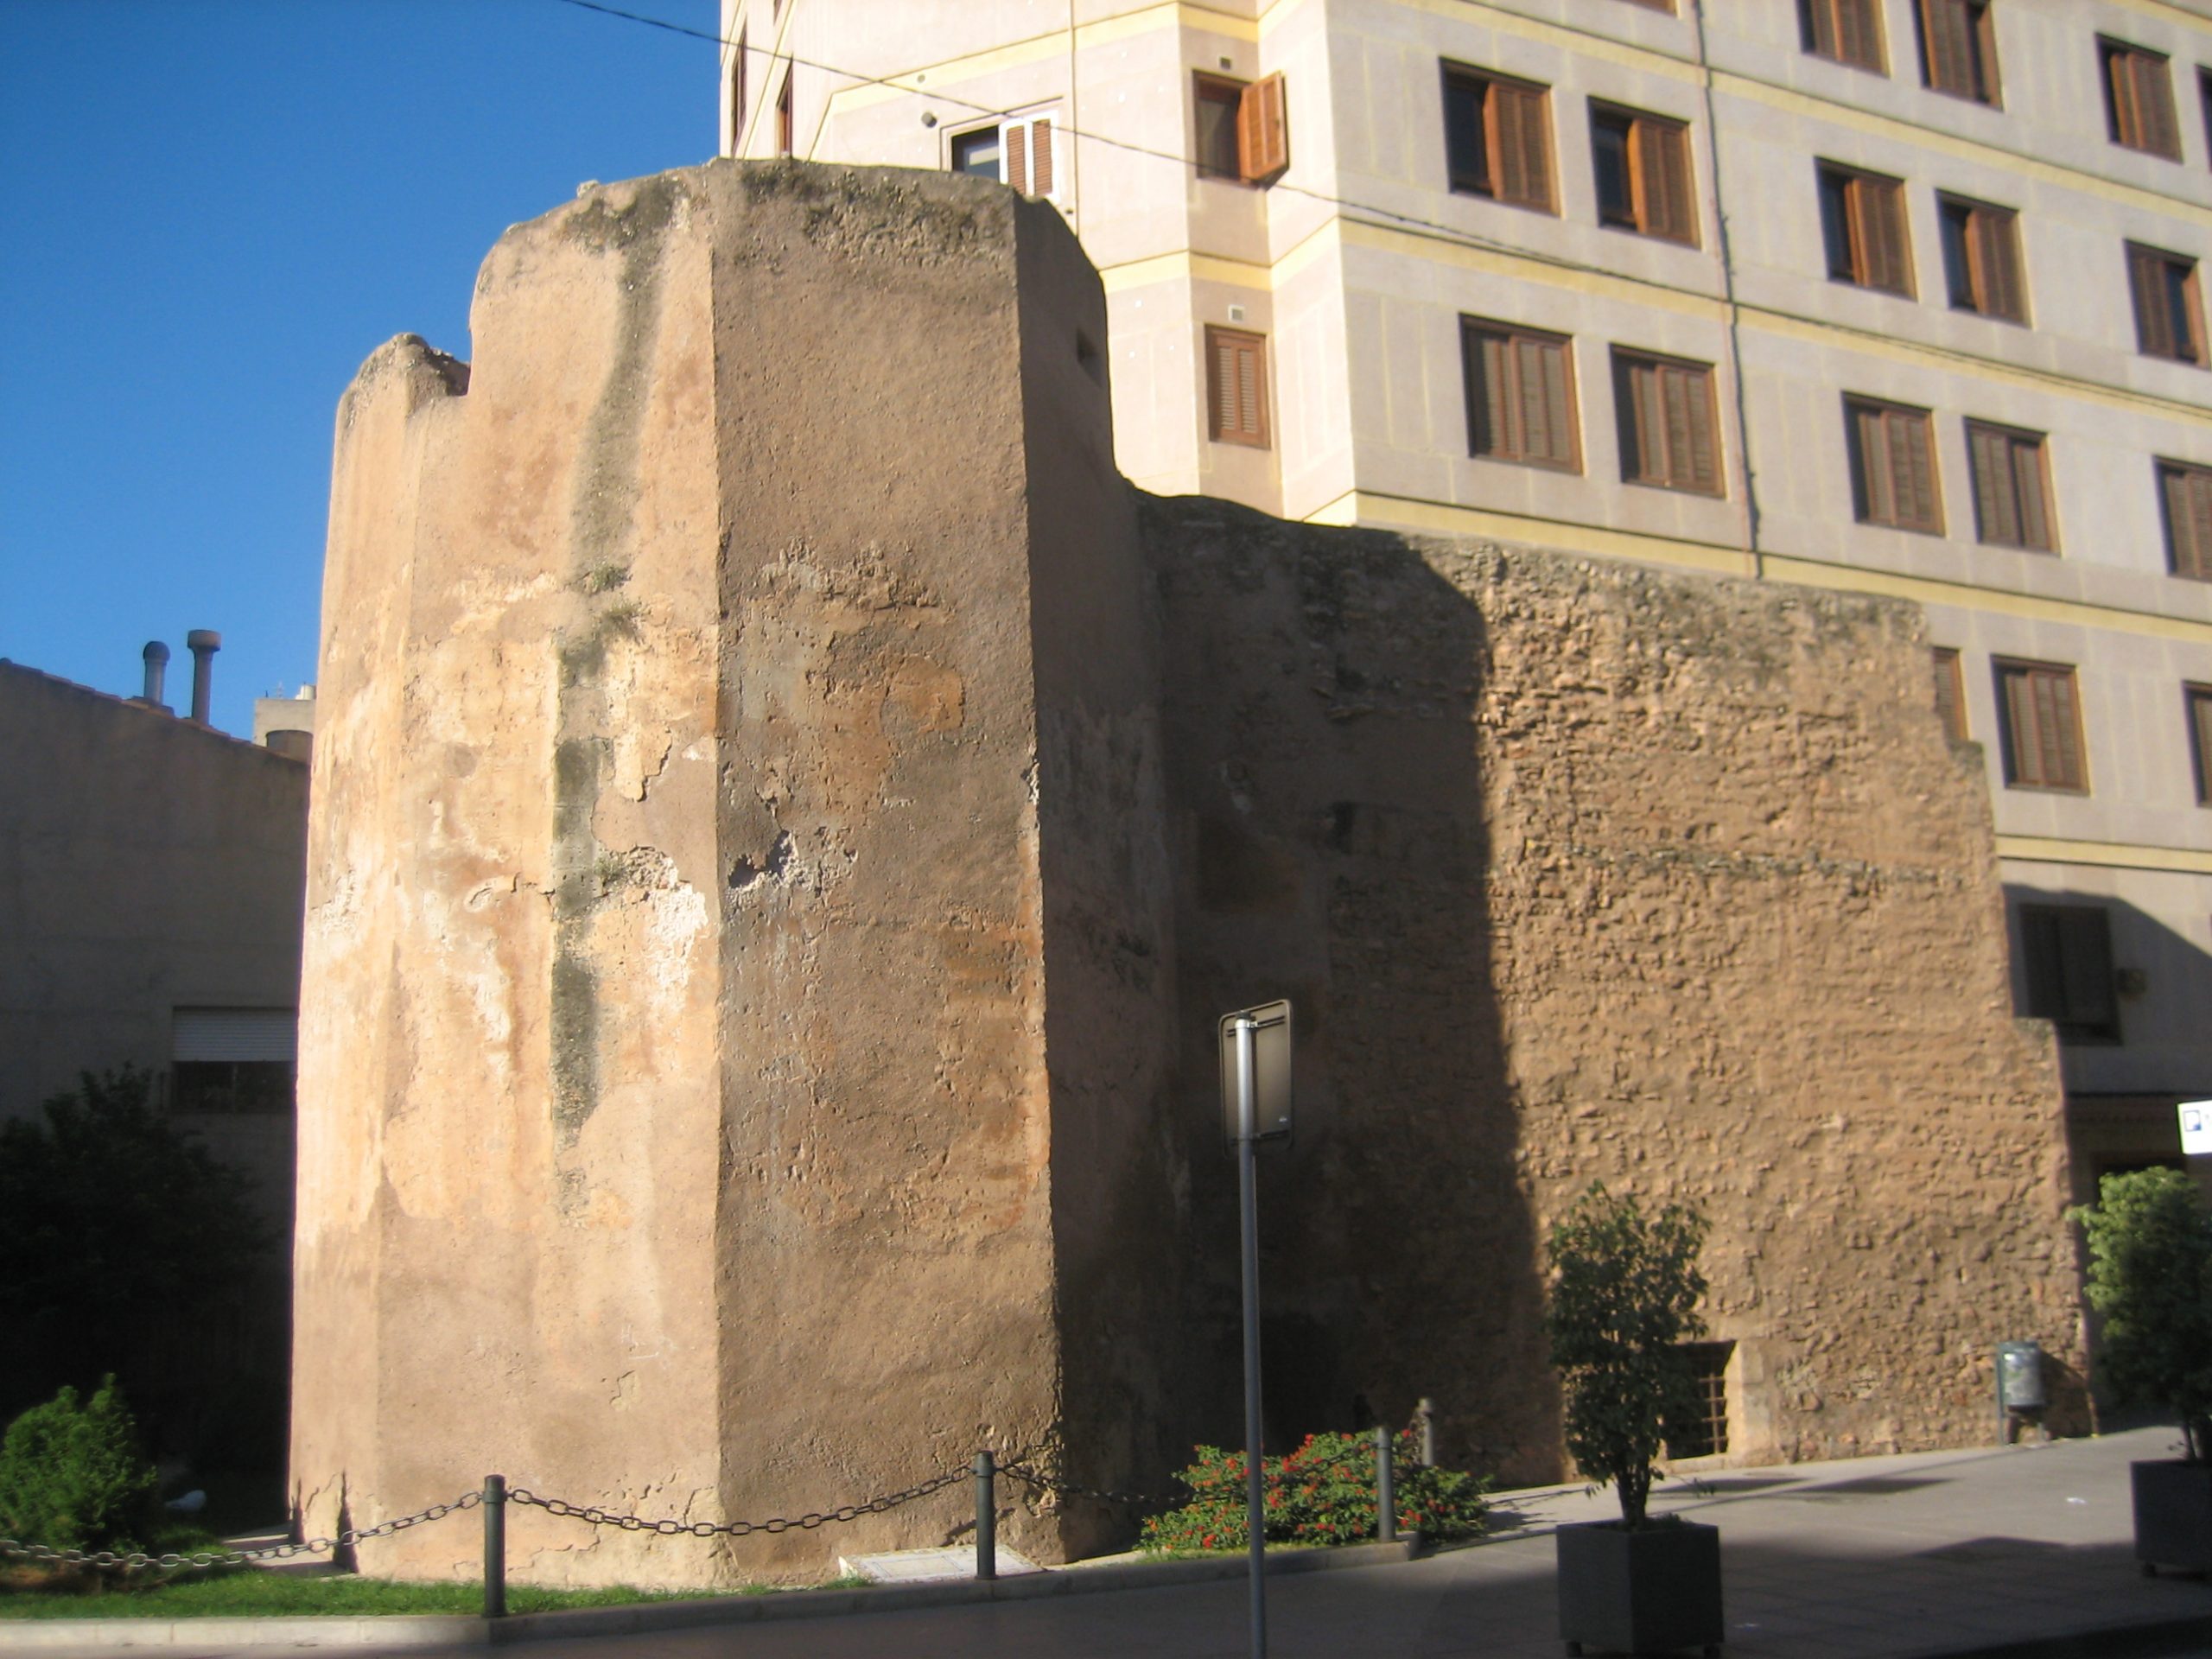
x,y
1322,1493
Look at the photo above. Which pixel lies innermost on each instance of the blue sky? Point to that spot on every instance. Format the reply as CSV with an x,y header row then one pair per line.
x,y
212,211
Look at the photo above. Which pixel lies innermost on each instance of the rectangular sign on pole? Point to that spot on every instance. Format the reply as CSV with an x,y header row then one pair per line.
x,y
2196,1127
1270,1027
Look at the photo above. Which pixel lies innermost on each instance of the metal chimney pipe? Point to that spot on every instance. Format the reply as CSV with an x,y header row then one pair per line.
x,y
203,643
157,655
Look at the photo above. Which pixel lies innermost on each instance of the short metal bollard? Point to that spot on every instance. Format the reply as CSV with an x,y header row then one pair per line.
x,y
1386,1487
1427,1413
987,1516
495,1545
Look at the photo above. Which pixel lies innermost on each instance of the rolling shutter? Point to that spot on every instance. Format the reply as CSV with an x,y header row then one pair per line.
x,y
235,1034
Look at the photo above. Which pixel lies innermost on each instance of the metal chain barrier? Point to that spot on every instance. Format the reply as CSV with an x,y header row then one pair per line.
x,y
1043,1482
136,1559
669,1528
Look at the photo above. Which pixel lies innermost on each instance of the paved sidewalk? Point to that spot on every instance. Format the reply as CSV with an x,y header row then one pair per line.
x,y
2021,1552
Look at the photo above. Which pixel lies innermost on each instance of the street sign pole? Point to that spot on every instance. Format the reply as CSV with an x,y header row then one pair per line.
x,y
1248,1193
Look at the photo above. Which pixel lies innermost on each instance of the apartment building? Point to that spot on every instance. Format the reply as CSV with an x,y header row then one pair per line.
x,y
1899,296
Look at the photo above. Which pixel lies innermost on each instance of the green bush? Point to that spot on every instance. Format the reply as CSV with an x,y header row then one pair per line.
x,y
2151,1277
73,1476
1624,1297
121,1240
1322,1493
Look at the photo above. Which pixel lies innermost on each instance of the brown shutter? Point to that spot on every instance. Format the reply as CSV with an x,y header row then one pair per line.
x,y
1524,173
1662,170
1013,144
2154,105
1559,401
2032,493
1857,40
1881,214
1950,698
1647,423
1236,387
1697,395
1995,519
1040,157
1927,510
1947,28
1487,430
2189,520
1822,13
2200,726
1537,426
1262,130
2154,318
1992,237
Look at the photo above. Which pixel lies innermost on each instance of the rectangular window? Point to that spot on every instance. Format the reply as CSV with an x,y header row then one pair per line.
x,y
2185,496
1519,394
2042,721
1705,1433
1236,387
1950,693
2198,702
1862,219
2139,99
1643,173
1958,49
2168,316
1850,31
1892,466
1498,137
1663,408
2066,955
1981,259
1018,152
2012,487
1242,131
233,1061
783,117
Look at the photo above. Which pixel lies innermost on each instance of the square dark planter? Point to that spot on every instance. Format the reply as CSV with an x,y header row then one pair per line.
x,y
2173,1513
1648,1591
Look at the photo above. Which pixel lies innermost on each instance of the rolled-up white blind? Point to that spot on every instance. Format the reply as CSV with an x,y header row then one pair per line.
x,y
236,1034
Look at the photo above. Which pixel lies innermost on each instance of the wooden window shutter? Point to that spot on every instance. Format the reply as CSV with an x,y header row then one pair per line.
x,y
1014,145
1857,38
2031,502
1950,31
1523,151
1950,693
2188,493
2043,727
2200,739
1992,244
1870,453
1910,446
2154,102
1040,157
1490,406
1262,130
2147,280
1520,397
1881,213
1663,177
1996,516
1704,472
1236,387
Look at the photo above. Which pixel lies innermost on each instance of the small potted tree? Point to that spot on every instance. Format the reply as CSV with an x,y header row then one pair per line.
x,y
2151,1277
1624,1297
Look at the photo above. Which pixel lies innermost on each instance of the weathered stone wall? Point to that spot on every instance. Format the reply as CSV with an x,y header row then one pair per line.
x,y
1580,872
786,820
678,1113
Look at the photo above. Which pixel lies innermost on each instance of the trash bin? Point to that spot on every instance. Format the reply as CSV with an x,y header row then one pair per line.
x,y
2019,1376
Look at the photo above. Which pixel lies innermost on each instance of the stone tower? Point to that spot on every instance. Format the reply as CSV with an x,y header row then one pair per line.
x,y
712,671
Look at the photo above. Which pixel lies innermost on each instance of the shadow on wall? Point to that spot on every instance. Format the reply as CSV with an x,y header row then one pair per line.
x,y
1330,841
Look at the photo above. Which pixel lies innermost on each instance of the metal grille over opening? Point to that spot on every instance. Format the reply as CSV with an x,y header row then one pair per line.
x,y
1705,1435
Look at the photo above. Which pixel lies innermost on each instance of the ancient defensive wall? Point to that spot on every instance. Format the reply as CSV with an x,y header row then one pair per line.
x,y
786,816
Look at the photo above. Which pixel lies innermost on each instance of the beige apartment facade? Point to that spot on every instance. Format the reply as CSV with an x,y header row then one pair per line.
x,y
1889,297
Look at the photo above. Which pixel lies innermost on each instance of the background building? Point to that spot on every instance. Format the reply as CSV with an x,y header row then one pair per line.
x,y
1895,296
